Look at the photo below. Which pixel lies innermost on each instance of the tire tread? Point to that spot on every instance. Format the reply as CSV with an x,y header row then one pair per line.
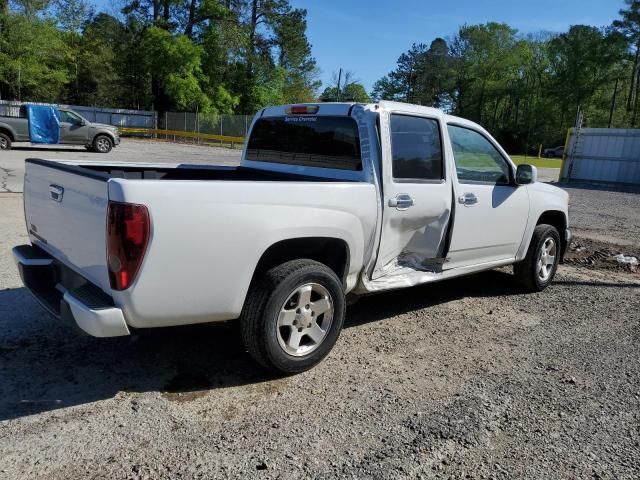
x,y
525,270
251,319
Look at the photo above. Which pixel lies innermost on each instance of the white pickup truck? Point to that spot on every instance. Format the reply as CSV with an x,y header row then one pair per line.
x,y
329,200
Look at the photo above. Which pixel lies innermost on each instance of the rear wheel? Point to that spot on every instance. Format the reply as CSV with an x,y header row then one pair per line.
x,y
293,316
5,142
102,144
539,267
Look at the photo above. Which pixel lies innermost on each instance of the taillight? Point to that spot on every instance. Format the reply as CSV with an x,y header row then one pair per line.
x,y
128,229
302,110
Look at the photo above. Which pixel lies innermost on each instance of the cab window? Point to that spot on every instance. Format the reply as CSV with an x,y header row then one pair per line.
x,y
69,117
477,160
310,141
416,148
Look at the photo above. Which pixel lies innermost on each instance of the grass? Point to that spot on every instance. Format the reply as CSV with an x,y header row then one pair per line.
x,y
481,160
537,162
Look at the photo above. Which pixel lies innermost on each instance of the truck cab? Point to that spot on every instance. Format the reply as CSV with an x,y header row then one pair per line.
x,y
450,198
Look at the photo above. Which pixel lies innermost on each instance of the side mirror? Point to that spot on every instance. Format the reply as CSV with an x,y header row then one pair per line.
x,y
526,174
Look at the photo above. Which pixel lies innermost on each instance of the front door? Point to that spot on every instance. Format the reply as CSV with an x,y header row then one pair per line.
x,y
491,211
417,196
73,128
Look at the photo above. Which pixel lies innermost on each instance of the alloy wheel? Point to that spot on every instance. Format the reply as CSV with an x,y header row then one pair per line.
x,y
305,319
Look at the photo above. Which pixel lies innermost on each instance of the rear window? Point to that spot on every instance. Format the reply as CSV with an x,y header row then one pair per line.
x,y
312,141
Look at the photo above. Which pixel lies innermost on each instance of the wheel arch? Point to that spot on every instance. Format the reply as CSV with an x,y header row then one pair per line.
x,y
7,131
557,219
330,251
106,133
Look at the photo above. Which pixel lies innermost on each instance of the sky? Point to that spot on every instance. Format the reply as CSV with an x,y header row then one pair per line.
x,y
368,36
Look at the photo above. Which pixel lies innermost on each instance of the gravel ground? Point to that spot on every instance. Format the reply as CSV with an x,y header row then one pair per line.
x,y
604,215
468,378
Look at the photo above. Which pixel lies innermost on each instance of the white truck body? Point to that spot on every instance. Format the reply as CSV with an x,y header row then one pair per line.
x,y
211,228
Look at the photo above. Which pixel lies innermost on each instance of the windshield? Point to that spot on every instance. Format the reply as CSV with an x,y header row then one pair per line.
x,y
312,141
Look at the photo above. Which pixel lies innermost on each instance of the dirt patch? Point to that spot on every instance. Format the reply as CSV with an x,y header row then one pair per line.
x,y
599,255
187,386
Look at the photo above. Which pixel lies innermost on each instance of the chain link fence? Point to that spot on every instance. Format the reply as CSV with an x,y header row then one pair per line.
x,y
204,123
118,117
195,127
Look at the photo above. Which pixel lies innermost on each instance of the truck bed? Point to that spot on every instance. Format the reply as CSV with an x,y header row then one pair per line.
x,y
106,171
209,228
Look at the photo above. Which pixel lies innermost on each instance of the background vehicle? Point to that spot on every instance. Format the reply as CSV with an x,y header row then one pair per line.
x,y
329,200
74,130
555,152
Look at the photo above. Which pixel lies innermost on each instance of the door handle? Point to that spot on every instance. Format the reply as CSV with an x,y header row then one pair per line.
x,y
468,199
401,201
56,192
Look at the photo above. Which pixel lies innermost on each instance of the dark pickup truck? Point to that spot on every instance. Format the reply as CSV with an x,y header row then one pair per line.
x,y
74,130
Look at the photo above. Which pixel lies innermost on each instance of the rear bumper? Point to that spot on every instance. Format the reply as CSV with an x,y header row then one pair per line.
x,y
67,295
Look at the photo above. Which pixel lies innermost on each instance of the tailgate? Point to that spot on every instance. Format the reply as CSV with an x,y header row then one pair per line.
x,y
66,214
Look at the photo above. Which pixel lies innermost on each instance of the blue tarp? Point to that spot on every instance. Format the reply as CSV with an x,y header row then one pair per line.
x,y
44,124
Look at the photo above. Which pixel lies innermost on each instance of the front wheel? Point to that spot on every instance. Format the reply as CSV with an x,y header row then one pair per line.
x,y
293,316
102,144
5,142
539,267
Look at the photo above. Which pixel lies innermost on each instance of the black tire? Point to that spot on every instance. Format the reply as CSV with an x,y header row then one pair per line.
x,y
102,144
266,299
529,272
5,142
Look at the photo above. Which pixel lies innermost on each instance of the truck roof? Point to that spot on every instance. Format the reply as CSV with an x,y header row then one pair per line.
x,y
344,108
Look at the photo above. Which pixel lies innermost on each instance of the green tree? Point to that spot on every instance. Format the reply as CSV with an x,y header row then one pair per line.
x,y
70,16
32,54
582,62
102,72
294,56
176,62
387,88
346,87
629,26
353,91
30,8
401,84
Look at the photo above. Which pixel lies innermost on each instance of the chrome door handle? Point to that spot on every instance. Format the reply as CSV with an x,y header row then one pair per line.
x,y
401,201
468,199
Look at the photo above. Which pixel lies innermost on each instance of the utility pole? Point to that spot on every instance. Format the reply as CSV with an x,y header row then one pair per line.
x,y
613,103
339,80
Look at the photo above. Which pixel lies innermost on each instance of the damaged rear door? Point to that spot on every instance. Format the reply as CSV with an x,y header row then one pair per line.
x,y
417,194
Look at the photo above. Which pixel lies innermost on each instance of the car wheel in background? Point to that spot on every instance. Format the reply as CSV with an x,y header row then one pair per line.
x,y
5,142
102,144
539,267
293,316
